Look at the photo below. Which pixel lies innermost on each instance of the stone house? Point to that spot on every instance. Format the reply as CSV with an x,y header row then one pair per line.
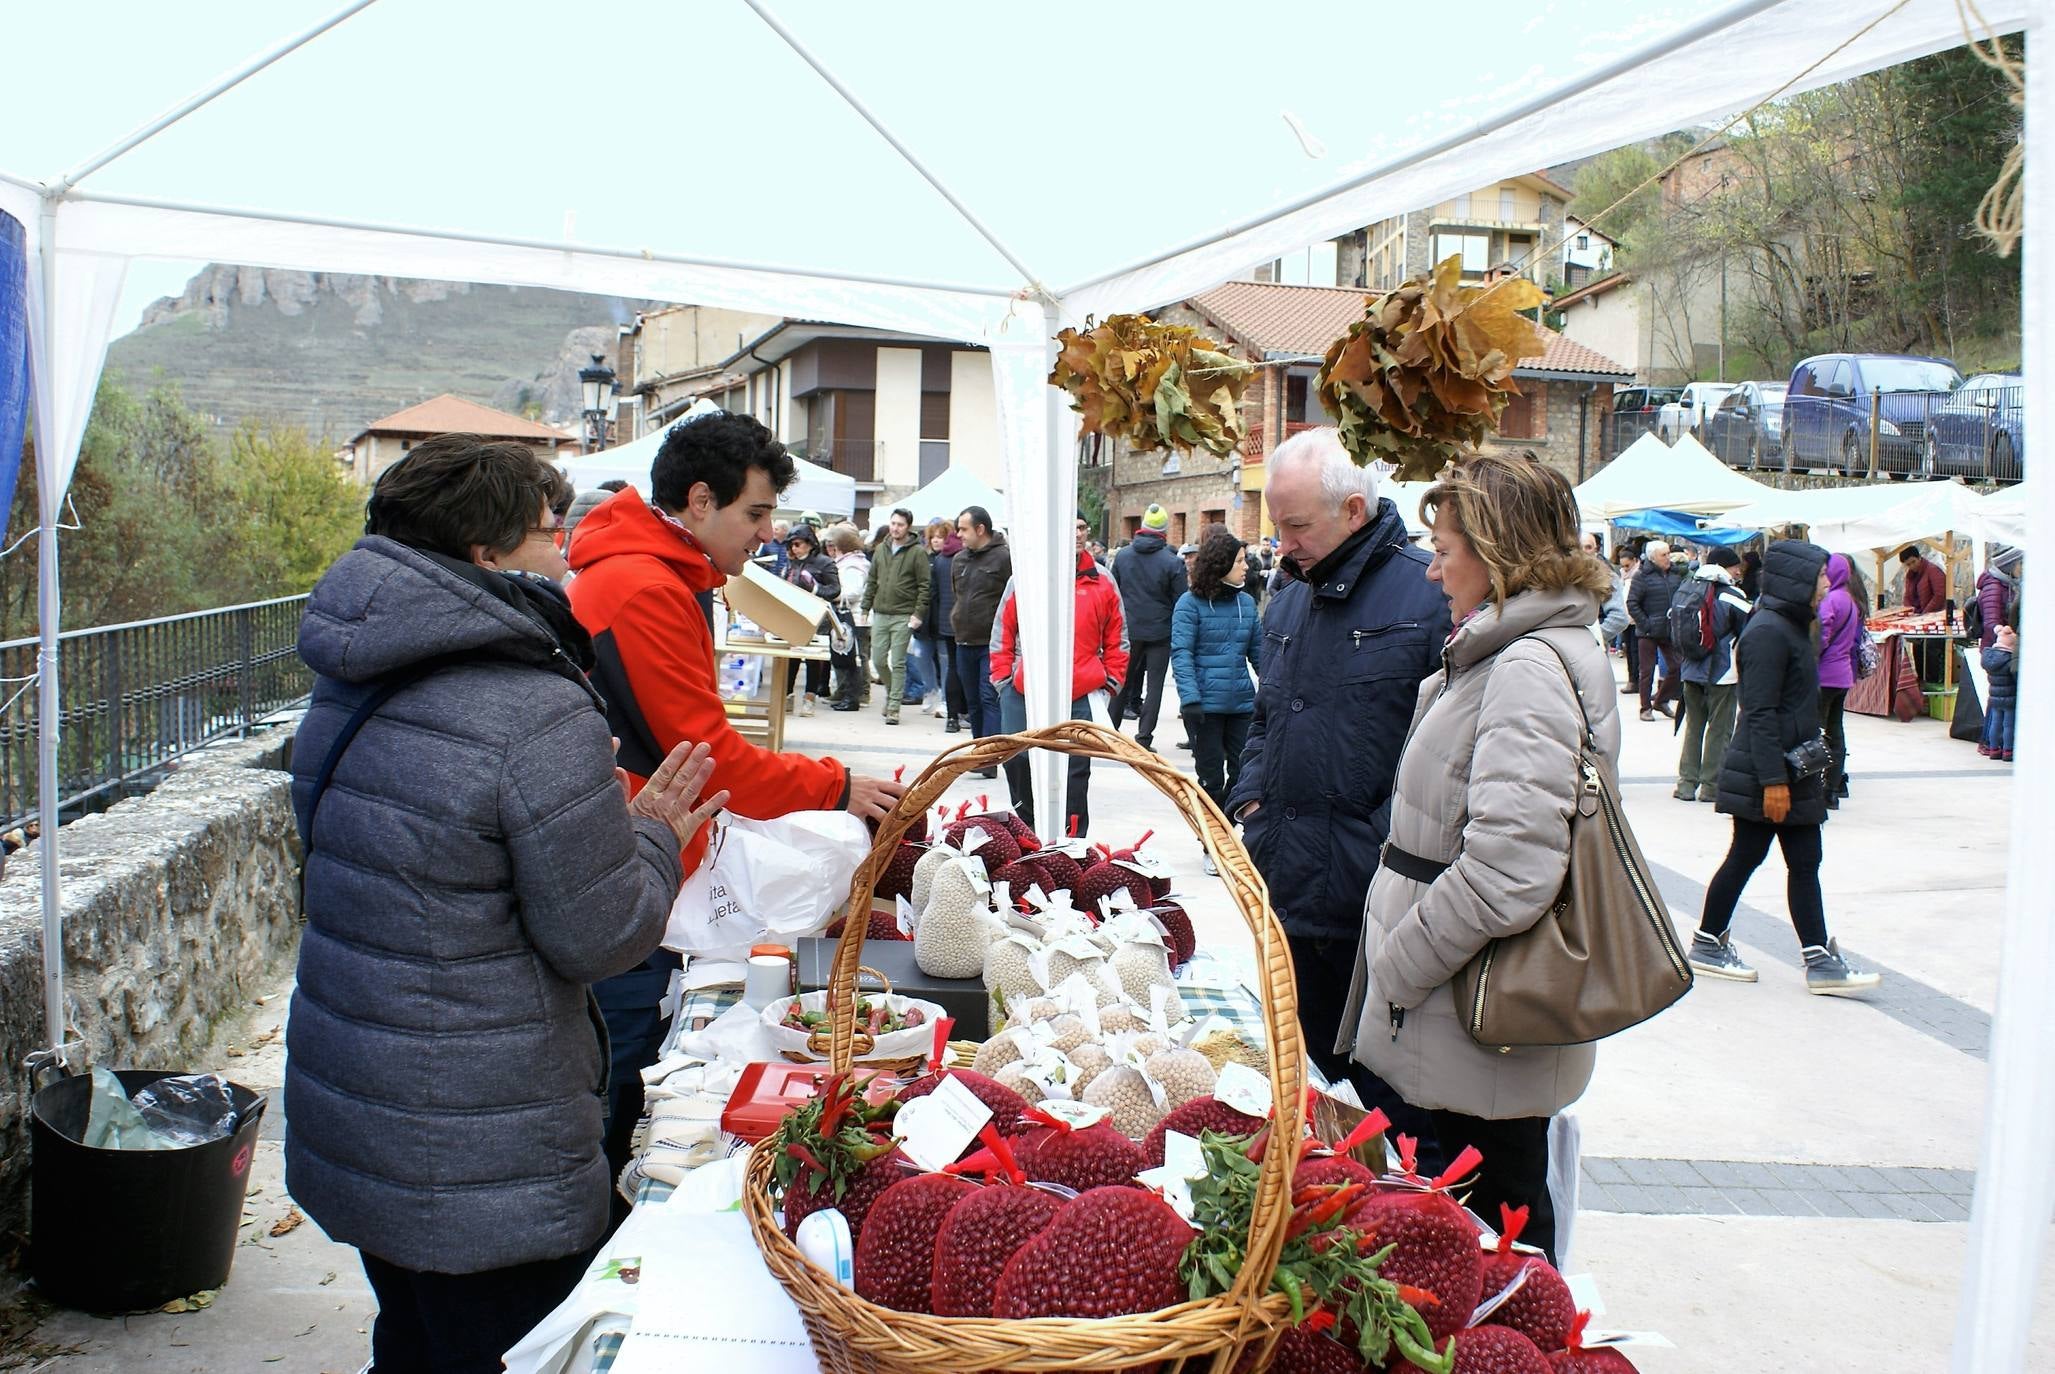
x,y
384,442
1287,329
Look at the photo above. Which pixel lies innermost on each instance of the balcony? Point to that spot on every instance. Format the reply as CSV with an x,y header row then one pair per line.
x,y
856,458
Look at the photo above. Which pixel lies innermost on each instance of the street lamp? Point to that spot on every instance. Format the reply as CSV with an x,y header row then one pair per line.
x,y
597,384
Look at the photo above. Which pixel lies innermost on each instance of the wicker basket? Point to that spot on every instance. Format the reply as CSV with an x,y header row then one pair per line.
x,y
851,1336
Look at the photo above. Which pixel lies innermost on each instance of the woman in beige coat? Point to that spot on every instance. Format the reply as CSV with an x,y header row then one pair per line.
x,y
1479,841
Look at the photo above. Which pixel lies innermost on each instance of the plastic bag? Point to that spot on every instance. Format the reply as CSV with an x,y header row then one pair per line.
x,y
113,1123
191,1109
766,878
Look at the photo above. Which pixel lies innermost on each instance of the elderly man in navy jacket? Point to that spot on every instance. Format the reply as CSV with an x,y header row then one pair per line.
x,y
1347,642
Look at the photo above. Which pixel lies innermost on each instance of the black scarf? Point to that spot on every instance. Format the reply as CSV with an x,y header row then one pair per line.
x,y
536,597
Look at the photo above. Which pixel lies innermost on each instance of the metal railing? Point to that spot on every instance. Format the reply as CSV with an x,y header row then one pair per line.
x,y
134,697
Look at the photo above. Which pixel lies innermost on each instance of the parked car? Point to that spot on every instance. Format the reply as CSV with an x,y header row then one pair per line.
x,y
1687,414
1628,400
1749,425
1828,403
1979,431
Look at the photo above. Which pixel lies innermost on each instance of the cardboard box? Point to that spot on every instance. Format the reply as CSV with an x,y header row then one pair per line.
x,y
780,609
963,998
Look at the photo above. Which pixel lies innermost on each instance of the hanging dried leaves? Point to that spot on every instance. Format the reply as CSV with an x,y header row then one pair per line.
x,y
1153,385
1426,372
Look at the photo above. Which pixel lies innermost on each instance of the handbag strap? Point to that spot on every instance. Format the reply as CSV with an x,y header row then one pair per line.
x,y
1577,688
366,709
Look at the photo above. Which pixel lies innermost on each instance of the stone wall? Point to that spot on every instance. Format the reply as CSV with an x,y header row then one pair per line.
x,y
178,906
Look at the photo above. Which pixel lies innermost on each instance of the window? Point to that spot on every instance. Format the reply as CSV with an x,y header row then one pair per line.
x,y
1583,243
1526,415
1474,249
1317,264
1211,517
1298,391
1505,204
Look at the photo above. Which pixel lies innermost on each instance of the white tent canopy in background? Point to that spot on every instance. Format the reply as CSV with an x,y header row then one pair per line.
x,y
1011,208
2005,515
1652,475
945,498
1927,511
1778,507
821,490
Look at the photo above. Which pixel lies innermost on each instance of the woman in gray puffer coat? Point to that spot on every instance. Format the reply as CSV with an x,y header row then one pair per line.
x,y
471,865
1480,821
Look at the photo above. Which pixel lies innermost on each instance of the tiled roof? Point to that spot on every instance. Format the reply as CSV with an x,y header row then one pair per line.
x,y
454,415
1266,318
1593,288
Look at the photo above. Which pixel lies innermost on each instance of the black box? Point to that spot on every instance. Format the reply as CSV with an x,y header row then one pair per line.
x,y
963,998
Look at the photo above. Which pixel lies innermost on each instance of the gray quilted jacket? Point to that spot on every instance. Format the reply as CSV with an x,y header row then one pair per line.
x,y
1487,781
474,867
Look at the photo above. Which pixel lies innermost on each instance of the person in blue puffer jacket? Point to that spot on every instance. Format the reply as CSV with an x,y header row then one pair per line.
x,y
1216,639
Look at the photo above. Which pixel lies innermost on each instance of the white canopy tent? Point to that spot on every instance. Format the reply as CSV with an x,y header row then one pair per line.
x,y
1652,475
1779,507
822,490
2005,516
946,496
1004,214
1929,510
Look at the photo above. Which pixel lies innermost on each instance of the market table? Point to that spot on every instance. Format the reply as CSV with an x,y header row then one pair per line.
x,y
762,719
590,1328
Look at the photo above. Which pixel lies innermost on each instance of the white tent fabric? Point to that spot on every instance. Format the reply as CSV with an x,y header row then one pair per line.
x,y
2005,516
1818,504
1652,475
710,247
815,488
1926,511
946,496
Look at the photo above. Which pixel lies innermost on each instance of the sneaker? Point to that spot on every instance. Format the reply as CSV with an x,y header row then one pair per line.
x,y
1684,791
1648,715
1708,794
1714,957
846,706
1629,690
1830,975
891,718
952,725
806,707
1212,869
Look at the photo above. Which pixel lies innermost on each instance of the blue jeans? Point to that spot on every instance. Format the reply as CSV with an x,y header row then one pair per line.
x,y
1998,728
972,665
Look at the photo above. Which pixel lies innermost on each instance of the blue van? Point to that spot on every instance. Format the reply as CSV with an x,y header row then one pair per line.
x,y
1827,410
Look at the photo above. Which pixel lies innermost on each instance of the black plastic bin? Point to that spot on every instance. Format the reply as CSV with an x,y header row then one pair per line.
x,y
122,1230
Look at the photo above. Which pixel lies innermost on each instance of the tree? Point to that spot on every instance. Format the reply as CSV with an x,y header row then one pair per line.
x,y
298,511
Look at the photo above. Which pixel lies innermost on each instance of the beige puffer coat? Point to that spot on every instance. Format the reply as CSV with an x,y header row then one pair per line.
x,y
1486,784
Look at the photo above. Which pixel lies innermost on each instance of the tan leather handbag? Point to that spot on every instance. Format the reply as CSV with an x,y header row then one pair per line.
x,y
1604,957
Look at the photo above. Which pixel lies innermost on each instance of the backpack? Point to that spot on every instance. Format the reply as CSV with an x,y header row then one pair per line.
x,y
1692,620
1866,655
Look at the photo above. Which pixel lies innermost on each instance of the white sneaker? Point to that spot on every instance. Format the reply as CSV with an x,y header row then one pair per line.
x,y
806,707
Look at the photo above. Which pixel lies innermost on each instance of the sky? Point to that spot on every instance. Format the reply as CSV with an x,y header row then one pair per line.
x,y
640,125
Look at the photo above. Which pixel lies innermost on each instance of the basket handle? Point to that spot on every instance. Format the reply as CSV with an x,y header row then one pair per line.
x,y
1085,739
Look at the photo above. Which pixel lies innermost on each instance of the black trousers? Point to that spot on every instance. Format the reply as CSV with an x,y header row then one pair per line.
x,y
1140,699
1322,968
1020,785
1834,720
969,668
1217,744
1751,845
461,1323
1514,1172
1671,686
952,685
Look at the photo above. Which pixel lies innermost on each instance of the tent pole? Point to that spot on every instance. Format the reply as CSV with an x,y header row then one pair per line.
x,y
48,502
221,86
2015,1189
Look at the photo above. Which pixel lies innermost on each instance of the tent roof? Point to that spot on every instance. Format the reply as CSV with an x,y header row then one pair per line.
x,y
447,414
1652,475
1927,511
949,493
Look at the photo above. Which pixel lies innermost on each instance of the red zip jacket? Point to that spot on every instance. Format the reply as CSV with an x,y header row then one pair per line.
x,y
644,592
1098,659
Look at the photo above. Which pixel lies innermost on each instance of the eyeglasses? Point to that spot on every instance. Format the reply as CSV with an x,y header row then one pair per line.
x,y
549,532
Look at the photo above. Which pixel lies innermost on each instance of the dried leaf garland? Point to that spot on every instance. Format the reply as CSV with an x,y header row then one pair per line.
x,y
1425,374
1153,385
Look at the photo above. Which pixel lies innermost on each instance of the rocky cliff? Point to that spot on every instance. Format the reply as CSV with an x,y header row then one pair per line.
x,y
333,351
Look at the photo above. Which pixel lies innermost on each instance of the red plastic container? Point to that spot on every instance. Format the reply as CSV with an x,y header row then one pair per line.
x,y
769,1091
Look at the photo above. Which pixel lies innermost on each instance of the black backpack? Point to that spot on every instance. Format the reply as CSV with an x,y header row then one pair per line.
x,y
1692,625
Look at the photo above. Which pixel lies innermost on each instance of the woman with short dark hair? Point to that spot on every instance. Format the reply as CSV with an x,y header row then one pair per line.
x,y
1216,638
472,865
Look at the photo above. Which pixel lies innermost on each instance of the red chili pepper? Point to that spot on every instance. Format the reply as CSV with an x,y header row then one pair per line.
x,y
806,1157
1319,1319
1259,1144
1417,1297
1330,1209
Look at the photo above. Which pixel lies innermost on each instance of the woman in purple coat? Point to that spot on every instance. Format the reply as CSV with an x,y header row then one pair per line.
x,y
1840,630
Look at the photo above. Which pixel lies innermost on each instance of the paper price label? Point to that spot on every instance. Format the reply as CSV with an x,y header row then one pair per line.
x,y
1076,1115
904,915
1243,1089
935,1130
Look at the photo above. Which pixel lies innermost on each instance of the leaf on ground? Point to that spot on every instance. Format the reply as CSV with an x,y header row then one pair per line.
x,y
197,1302
287,1223
328,1278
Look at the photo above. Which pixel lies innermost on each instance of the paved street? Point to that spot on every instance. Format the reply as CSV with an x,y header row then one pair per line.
x,y
1773,1181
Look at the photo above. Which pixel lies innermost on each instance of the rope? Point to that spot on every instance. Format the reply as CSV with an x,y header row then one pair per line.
x,y
2001,214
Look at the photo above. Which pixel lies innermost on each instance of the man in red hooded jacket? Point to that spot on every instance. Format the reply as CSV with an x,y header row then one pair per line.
x,y
646,574
1098,662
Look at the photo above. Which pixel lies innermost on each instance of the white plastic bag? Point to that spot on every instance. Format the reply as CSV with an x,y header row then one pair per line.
x,y
761,879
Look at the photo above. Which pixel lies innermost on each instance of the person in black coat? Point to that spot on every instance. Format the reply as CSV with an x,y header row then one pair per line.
x,y
1648,606
1151,577
1770,799
1346,643
809,569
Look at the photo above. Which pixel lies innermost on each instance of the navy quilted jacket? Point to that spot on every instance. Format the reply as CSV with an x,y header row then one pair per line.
x,y
1213,646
